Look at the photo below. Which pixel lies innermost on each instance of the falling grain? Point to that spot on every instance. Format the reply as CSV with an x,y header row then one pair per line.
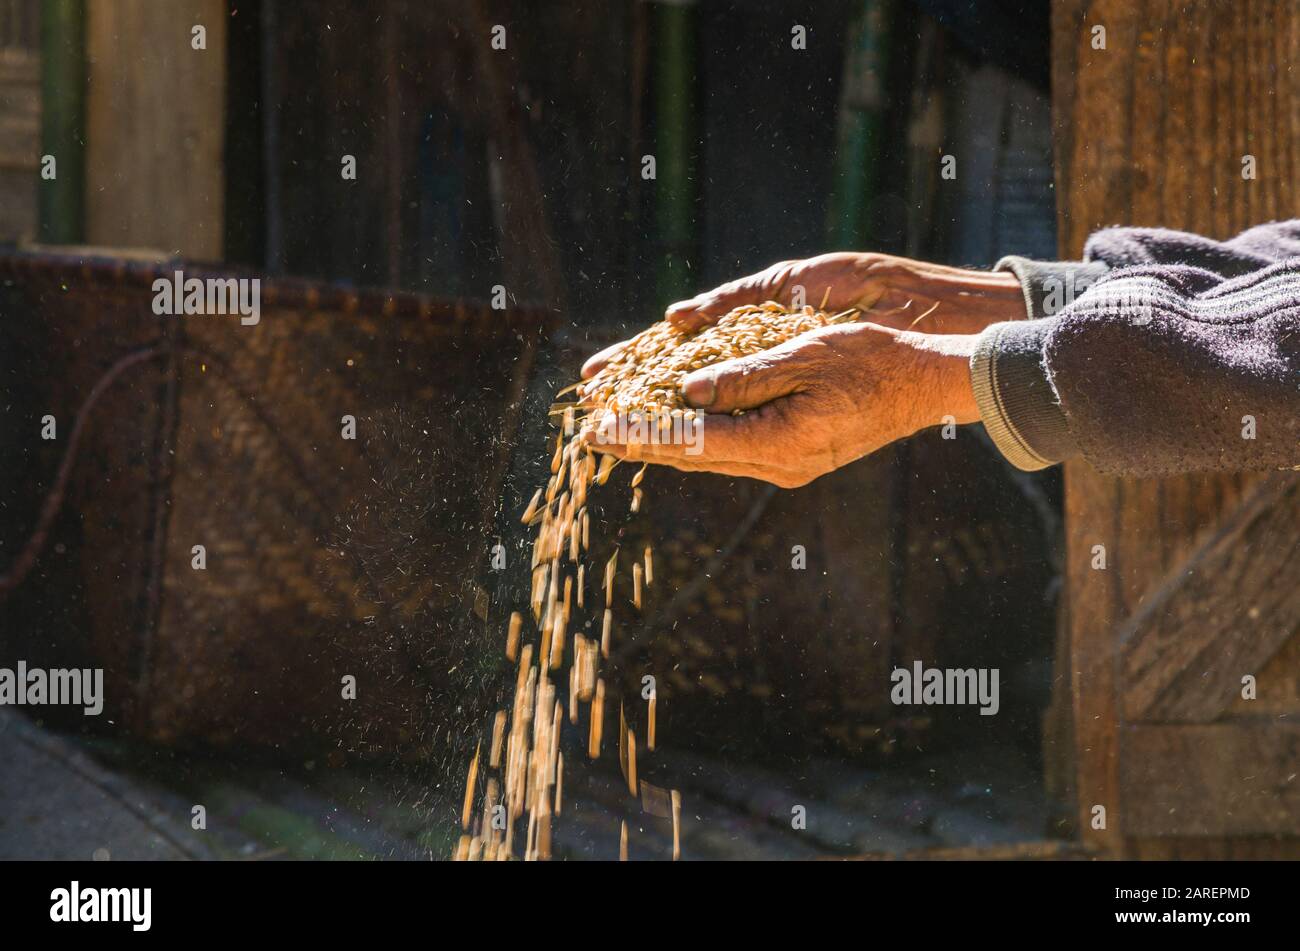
x,y
597,721
498,735
643,383
585,666
607,464
557,639
631,762
622,741
512,637
469,789
677,825
610,567
532,507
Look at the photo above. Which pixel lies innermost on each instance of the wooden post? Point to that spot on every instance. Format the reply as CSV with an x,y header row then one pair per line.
x,y
1156,119
63,120
155,113
20,119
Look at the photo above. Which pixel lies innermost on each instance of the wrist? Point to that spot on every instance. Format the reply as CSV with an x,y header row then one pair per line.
x,y
976,300
943,365
947,300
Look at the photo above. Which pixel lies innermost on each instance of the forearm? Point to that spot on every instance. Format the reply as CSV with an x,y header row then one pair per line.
x,y
968,300
1050,286
1186,392
1250,251
940,299
1158,369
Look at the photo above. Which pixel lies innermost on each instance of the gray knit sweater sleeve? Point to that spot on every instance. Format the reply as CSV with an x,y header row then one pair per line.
x,y
1161,352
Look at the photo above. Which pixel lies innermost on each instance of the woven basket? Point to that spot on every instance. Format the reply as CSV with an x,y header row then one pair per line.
x,y
196,430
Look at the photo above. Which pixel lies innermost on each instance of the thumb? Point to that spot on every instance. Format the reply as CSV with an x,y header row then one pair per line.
x,y
746,382
597,362
704,309
701,310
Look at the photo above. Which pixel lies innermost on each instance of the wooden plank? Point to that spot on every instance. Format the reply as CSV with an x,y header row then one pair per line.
x,y
155,114
20,139
1278,686
1036,851
1151,130
17,207
1219,780
1220,616
20,113
1241,849
20,66
20,24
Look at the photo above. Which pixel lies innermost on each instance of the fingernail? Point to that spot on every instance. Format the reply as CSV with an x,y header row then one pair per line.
x,y
700,388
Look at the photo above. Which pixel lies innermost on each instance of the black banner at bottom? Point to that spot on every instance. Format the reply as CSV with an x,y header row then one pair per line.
x,y
1221,900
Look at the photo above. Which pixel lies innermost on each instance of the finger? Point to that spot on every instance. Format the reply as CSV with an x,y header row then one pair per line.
x,y
655,455
749,382
703,309
761,438
598,361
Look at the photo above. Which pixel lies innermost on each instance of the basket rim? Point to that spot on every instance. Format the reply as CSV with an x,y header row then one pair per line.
x,y
118,266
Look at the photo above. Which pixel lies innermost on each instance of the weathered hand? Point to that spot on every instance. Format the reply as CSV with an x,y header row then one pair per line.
x,y
814,403
892,291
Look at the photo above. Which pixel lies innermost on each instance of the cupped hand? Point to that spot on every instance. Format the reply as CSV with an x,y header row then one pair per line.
x,y
810,405
891,291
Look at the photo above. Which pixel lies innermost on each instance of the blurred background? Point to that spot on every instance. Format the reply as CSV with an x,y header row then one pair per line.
x,y
778,130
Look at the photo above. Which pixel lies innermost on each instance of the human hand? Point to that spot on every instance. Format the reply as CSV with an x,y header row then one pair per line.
x,y
891,291
812,404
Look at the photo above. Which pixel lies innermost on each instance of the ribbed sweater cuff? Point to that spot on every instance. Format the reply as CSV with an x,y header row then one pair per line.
x,y
1016,400
1049,286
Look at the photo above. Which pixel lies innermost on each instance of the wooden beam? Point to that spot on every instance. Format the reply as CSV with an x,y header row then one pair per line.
x,y
20,139
62,200
20,110
155,114
1224,779
1222,615
1152,130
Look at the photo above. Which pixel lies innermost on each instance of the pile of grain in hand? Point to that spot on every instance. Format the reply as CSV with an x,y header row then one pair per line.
x,y
524,773
646,376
